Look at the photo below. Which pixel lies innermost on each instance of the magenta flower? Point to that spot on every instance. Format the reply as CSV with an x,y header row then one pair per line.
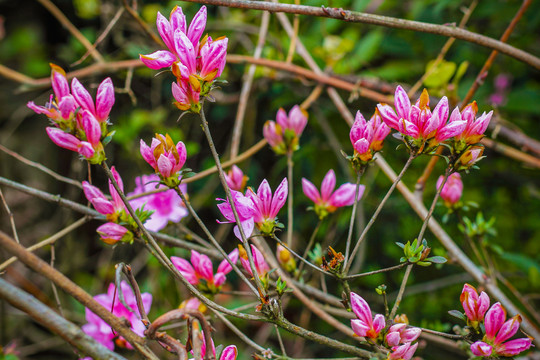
x,y
70,142
401,334
267,206
186,97
402,352
283,135
497,332
173,32
475,306
418,123
258,259
200,271
367,136
165,158
236,180
111,233
229,353
112,209
166,206
365,326
475,127
101,331
328,200
452,189
246,210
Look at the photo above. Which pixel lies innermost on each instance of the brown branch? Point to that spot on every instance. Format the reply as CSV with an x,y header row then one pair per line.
x,y
59,15
511,152
354,16
54,322
42,268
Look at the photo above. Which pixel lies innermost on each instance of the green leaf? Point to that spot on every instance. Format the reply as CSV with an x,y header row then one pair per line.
x,y
440,75
437,259
458,314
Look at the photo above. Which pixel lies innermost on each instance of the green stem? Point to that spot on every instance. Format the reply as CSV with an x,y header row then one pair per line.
x,y
290,165
353,218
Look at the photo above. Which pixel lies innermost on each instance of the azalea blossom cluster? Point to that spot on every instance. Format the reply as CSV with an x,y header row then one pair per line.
x,y
398,337
195,62
166,158
101,331
283,134
496,329
367,137
78,124
423,130
199,271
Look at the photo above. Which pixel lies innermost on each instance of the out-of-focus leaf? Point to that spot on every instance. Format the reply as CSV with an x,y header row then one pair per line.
x,y
87,9
441,75
368,46
522,261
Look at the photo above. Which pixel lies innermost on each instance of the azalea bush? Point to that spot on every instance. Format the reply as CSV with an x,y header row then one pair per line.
x,y
212,238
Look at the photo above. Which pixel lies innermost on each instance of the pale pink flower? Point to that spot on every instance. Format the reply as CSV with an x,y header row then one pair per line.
x,y
402,352
497,332
365,325
200,268
111,233
236,180
367,136
246,212
328,200
475,127
258,259
401,333
273,133
296,121
166,205
283,134
452,189
166,158
266,205
101,331
475,306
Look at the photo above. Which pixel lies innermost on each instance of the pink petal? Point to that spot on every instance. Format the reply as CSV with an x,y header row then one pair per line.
x,y
185,269
178,21
164,166
282,119
224,267
147,154
104,99
297,120
67,106
62,139
229,353
279,199
264,193
182,155
59,84
378,323
359,327
361,309
480,348
91,128
388,115
310,191
158,60
493,320
508,329
393,339
82,96
344,195
361,146
442,109
165,29
117,200
196,28
514,347
185,50
402,103
328,184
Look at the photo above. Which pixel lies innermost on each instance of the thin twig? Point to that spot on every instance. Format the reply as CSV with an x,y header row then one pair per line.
x,y
355,276
290,214
11,217
353,218
55,291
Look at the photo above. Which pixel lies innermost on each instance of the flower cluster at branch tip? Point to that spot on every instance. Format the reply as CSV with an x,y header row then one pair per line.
x,y
475,127
200,271
498,331
166,205
327,201
259,208
398,338
79,124
258,259
110,232
236,179
451,190
195,62
367,137
166,158
283,134
101,331
421,128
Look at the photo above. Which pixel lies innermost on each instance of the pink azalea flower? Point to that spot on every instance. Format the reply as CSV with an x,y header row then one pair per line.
x,y
258,259
236,180
475,127
167,205
165,158
401,334
418,122
365,326
101,331
112,233
103,205
246,210
403,352
475,306
497,332
229,353
328,200
104,98
186,97
283,134
367,136
268,206
201,268
452,189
